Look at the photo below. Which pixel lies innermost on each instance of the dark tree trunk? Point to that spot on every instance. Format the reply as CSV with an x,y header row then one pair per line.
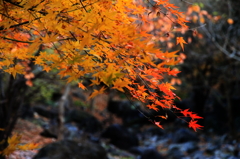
x,y
11,102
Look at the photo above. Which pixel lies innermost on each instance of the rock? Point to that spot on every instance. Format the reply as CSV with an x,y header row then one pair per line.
x,y
120,137
187,147
210,148
50,130
152,132
184,135
43,111
129,114
151,154
48,134
146,153
201,155
221,154
175,153
233,157
71,131
137,150
84,120
68,149
26,111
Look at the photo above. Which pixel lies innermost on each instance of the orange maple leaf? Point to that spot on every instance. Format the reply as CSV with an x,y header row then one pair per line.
x,y
164,117
181,41
80,85
141,88
46,68
193,124
153,106
161,104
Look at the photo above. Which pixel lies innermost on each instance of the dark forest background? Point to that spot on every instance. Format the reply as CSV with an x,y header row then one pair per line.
x,y
210,86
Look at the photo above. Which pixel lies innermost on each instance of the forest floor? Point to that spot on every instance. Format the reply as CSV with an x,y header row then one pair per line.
x,y
29,134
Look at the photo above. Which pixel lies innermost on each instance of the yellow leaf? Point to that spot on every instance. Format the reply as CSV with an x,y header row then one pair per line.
x,y
7,62
120,84
38,60
29,146
14,70
13,145
97,92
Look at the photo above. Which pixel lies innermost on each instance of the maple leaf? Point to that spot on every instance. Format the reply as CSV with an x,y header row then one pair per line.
x,y
166,88
170,54
38,60
46,68
119,84
14,70
193,124
157,102
80,85
158,124
153,106
175,107
97,92
164,117
185,112
29,146
141,88
173,72
13,144
181,41
194,116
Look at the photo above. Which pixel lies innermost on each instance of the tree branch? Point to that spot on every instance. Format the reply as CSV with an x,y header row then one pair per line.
x,y
222,49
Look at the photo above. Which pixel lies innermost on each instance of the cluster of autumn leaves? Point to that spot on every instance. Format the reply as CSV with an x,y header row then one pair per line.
x,y
14,143
104,40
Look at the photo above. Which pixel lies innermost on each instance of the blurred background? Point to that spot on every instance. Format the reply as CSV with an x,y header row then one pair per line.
x,y
111,126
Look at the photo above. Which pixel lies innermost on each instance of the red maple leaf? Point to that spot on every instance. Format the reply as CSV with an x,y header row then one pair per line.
x,y
193,124
194,116
173,72
185,112
175,107
158,124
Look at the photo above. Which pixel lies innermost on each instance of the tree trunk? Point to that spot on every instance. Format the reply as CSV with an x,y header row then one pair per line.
x,y
61,112
10,103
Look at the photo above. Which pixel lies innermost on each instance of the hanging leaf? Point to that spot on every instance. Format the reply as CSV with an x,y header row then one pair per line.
x,y
181,41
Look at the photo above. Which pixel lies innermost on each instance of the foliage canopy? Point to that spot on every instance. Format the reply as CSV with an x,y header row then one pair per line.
x,y
101,40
